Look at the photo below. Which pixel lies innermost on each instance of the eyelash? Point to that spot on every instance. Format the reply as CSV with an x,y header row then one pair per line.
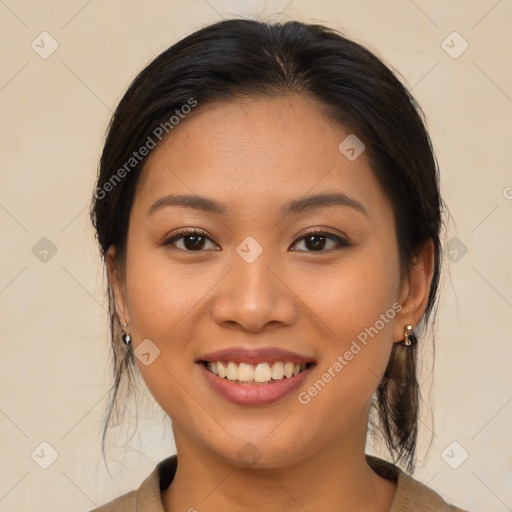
x,y
340,241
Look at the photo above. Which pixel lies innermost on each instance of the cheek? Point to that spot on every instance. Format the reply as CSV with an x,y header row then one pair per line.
x,y
353,297
166,306
358,305
160,302
161,295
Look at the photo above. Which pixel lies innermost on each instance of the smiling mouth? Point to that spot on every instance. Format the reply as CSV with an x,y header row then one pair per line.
x,y
255,374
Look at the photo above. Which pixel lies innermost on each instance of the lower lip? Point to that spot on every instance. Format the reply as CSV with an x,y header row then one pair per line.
x,y
263,394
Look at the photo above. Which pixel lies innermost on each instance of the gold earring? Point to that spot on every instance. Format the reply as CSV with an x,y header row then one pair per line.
x,y
409,337
126,336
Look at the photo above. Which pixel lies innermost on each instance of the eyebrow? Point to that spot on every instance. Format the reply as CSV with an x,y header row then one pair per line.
x,y
188,201
295,206
322,201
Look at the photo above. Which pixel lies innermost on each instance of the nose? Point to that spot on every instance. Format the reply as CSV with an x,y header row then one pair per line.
x,y
254,296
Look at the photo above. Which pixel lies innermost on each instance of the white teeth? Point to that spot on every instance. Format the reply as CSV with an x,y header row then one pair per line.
x,y
245,372
232,371
262,373
277,371
213,368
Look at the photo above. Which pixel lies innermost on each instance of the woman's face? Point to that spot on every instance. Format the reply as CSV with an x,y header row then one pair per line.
x,y
261,176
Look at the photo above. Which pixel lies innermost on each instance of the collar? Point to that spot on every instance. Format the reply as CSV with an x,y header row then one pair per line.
x,y
410,494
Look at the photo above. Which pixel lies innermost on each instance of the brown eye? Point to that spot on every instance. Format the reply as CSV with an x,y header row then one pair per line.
x,y
190,241
194,242
321,242
315,242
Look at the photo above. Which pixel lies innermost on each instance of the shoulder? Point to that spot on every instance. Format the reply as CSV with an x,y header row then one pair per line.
x,y
417,496
410,493
147,497
126,502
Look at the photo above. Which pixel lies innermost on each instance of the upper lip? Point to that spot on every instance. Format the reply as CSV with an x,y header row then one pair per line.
x,y
255,355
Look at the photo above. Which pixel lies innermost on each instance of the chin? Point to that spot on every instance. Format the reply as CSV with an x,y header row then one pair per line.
x,y
261,452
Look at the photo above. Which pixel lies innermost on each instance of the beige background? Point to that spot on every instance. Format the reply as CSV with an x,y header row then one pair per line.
x,y
55,372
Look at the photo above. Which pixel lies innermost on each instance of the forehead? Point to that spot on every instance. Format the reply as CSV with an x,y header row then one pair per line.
x,y
261,149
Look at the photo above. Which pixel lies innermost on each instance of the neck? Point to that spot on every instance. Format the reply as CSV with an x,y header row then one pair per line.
x,y
332,479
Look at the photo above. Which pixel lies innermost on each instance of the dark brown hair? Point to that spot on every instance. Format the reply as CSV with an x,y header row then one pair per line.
x,y
251,58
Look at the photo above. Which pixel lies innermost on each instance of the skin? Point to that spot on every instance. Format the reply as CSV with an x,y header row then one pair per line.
x,y
254,155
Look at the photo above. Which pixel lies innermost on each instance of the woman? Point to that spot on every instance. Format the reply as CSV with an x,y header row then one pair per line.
x,y
268,211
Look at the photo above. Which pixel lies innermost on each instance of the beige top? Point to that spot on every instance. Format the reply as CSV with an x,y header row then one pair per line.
x,y
410,496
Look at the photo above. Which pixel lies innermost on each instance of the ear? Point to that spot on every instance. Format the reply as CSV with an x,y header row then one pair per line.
x,y
415,290
118,285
